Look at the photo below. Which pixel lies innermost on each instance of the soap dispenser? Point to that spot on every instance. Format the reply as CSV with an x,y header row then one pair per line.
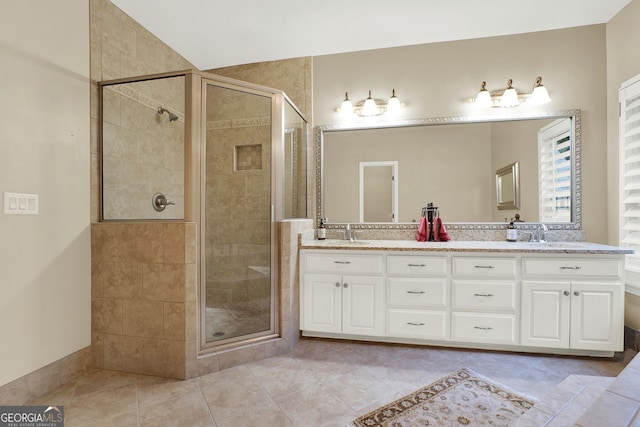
x,y
322,229
512,232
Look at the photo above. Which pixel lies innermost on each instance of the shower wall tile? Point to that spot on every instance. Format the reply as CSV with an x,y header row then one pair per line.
x,y
191,326
174,243
139,292
121,280
97,351
242,356
163,358
143,318
96,281
106,315
175,321
123,353
164,282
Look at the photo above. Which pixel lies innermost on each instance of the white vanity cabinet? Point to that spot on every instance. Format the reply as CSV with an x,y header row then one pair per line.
x,y
558,299
484,295
573,302
417,296
342,293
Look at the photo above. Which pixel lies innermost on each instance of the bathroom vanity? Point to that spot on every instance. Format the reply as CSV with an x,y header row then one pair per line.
x,y
550,297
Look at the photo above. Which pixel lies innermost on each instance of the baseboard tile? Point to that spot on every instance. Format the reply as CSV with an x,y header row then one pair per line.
x,y
631,338
45,379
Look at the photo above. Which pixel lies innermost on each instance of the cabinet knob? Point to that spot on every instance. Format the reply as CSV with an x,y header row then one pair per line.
x,y
337,284
566,293
346,285
576,293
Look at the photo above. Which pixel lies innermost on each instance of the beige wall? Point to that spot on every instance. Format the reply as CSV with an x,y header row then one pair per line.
x,y
423,154
44,149
623,63
437,79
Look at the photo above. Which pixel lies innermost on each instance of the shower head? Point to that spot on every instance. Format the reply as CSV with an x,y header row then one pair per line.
x,y
172,117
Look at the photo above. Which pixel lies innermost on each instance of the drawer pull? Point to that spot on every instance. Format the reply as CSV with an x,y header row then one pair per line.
x,y
570,268
417,265
416,292
342,262
346,285
566,293
337,284
485,267
576,293
483,295
483,328
416,324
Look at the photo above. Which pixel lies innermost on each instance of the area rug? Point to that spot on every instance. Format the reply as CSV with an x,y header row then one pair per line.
x,y
463,398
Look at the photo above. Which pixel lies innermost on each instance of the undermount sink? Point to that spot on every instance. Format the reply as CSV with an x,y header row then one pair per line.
x,y
567,245
348,242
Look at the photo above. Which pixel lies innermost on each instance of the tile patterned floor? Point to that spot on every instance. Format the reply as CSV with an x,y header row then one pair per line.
x,y
322,383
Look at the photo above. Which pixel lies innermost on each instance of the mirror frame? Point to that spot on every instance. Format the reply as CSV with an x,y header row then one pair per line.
x,y
514,170
576,190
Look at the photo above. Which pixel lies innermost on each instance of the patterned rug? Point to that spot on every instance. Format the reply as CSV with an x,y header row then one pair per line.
x,y
463,398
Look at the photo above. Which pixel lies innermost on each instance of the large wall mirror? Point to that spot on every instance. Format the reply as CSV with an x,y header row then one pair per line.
x,y
452,162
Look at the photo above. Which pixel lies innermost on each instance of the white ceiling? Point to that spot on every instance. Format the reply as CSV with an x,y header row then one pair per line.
x,y
218,33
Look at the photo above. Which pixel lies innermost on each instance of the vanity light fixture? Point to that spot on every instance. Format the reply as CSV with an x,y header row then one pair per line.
x,y
347,107
484,97
510,96
540,95
371,106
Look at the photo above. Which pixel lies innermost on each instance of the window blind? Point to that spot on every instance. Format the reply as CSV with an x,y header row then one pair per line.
x,y
629,146
554,171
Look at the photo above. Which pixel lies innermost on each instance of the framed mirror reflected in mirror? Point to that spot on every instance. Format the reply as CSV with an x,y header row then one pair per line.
x,y
508,187
452,162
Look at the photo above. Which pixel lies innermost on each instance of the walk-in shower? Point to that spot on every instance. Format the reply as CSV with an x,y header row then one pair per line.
x,y
231,157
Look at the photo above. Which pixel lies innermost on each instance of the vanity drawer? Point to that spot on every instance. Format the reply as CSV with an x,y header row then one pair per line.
x,y
347,263
422,265
484,328
485,294
475,266
417,323
572,267
415,292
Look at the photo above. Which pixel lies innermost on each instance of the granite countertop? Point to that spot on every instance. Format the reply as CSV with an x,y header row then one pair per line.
x,y
467,246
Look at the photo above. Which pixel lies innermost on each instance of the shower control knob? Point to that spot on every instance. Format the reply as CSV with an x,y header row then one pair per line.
x,y
160,202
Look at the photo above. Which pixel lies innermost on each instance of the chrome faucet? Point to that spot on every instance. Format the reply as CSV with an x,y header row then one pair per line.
x,y
540,230
349,234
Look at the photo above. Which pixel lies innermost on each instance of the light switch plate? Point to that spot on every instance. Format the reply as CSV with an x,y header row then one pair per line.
x,y
21,204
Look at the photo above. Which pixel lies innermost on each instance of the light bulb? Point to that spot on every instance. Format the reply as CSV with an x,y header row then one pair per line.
x,y
346,108
393,106
510,96
540,95
483,99
369,108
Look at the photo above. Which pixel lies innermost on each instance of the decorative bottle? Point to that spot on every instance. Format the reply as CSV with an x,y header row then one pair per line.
x,y
512,232
322,230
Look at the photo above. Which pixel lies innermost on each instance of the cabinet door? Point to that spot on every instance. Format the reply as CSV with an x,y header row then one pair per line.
x,y
322,303
362,308
597,316
545,314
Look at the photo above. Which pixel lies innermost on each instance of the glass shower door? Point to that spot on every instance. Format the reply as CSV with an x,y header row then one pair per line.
x,y
237,233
